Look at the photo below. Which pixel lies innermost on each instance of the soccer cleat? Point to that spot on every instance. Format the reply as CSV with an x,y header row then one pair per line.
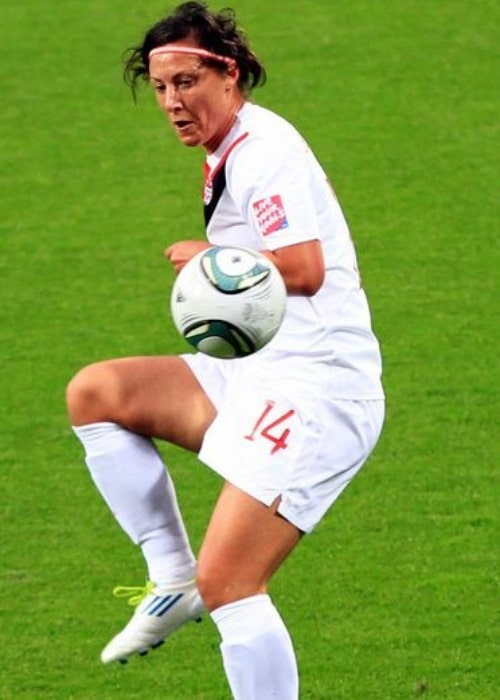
x,y
159,612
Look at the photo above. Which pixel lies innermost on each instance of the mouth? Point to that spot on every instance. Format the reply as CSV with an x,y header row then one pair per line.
x,y
182,125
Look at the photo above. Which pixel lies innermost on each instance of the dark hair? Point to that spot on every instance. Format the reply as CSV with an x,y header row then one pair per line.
x,y
216,32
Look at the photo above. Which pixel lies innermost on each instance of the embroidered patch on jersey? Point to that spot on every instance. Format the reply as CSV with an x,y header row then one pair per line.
x,y
271,215
208,191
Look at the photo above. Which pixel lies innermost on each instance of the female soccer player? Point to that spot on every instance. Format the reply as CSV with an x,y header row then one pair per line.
x,y
313,401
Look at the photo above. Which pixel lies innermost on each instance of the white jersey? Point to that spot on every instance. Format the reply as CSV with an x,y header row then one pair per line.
x,y
264,189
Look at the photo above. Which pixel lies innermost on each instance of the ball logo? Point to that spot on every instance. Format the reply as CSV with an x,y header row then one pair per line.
x,y
271,215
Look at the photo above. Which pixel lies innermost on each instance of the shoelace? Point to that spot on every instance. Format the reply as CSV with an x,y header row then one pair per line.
x,y
135,594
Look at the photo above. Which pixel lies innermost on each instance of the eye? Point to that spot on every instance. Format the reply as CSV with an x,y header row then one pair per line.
x,y
157,85
185,83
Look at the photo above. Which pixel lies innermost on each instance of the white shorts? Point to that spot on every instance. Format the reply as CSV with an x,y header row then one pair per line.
x,y
280,433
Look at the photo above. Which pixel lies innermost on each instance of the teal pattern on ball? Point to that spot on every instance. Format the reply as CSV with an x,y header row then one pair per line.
x,y
239,341
232,284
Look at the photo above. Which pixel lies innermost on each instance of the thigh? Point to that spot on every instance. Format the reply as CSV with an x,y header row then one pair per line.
x,y
245,543
155,396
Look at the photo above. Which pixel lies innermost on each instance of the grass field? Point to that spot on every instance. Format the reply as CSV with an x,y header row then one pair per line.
x,y
395,595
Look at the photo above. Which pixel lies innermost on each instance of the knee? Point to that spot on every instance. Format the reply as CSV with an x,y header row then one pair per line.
x,y
211,588
89,394
218,587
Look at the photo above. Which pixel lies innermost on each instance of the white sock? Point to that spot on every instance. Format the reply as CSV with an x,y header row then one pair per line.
x,y
257,651
132,478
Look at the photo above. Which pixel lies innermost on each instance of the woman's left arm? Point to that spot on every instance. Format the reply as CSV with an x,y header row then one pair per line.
x,y
301,265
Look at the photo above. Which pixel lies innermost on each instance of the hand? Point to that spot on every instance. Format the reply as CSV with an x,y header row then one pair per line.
x,y
181,252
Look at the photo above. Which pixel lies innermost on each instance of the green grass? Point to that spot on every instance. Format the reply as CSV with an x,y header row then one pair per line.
x,y
394,596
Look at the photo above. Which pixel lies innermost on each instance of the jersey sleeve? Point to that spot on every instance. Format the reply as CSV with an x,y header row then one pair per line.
x,y
269,183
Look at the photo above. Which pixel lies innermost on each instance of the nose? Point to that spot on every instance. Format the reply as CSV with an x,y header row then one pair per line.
x,y
170,101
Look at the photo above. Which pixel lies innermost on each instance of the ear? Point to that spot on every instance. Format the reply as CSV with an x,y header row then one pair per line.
x,y
232,73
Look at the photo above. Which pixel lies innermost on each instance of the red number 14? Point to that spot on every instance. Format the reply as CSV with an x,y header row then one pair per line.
x,y
268,429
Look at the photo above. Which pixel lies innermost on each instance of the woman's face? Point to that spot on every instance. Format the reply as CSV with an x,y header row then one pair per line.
x,y
200,102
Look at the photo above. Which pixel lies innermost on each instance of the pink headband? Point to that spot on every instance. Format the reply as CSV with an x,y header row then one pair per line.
x,y
203,53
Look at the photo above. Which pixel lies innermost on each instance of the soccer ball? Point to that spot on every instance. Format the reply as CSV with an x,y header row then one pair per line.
x,y
228,302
